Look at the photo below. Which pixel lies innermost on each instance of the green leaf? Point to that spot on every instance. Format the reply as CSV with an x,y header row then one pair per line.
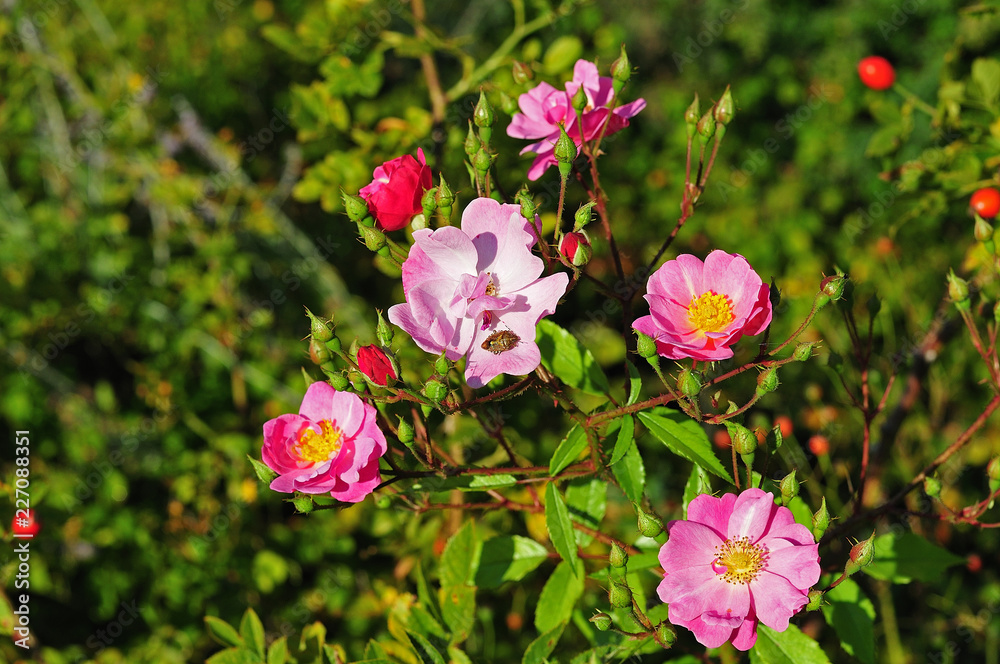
x,y
458,608
631,474
586,500
569,449
852,616
903,558
634,382
464,482
222,631
986,76
460,558
277,653
697,484
883,142
234,656
539,649
264,474
252,632
685,438
424,592
559,596
560,527
626,439
569,360
508,558
425,651
788,647
311,643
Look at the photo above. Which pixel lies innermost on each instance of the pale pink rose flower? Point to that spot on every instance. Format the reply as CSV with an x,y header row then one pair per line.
x,y
544,109
332,446
477,292
699,310
736,561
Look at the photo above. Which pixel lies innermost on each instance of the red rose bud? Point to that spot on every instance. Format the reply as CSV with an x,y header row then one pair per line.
x,y
576,248
24,524
833,286
376,365
397,186
862,554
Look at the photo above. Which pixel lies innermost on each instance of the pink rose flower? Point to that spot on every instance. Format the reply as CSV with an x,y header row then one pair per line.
x,y
699,310
476,292
544,109
333,445
397,186
374,363
736,561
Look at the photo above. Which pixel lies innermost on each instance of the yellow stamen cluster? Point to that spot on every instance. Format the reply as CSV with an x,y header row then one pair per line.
x,y
491,288
318,447
741,560
710,312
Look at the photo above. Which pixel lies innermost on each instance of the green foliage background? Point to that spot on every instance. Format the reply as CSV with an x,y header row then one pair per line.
x,y
170,176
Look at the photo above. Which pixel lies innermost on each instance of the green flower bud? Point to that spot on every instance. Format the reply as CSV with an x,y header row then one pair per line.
x,y
429,201
932,486
444,197
303,503
833,286
724,108
861,555
522,73
688,383
744,440
815,600
958,290
383,331
374,238
319,330
983,231
339,381
356,207
318,352
620,595
650,525
472,143
618,556
789,488
767,381
435,390
803,351
382,501
528,209
404,431
482,161
821,520
645,345
621,71
565,152
665,634
706,127
993,473
601,621
584,214
442,365
483,114
779,437
579,100
691,116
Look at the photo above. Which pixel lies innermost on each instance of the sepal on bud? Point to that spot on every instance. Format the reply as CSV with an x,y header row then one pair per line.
x,y
601,621
565,152
620,595
706,127
789,488
767,381
821,520
339,381
404,431
383,331
688,383
724,108
319,329
621,71
435,390
374,238
803,351
444,199
618,557
484,117
583,216
650,525
744,440
356,207
645,345
665,634
528,208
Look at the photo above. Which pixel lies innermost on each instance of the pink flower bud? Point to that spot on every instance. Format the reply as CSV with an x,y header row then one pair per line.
x,y
376,365
576,248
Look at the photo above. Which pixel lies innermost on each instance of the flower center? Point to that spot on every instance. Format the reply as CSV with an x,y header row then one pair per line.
x,y
739,560
319,447
710,312
491,288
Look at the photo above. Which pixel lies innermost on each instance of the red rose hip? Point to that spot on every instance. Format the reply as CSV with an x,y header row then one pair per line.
x,y
985,202
876,72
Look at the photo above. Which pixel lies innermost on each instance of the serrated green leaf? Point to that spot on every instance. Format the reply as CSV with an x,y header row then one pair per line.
x,y
508,558
852,616
569,360
264,474
559,596
424,592
460,558
788,647
685,438
631,474
277,653
425,651
697,484
458,608
538,650
222,632
569,449
626,439
234,656
252,632
903,558
634,383
560,527
586,500
420,620
986,76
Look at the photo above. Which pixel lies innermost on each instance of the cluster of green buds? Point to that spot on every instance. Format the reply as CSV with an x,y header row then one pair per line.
x,y
357,211
323,345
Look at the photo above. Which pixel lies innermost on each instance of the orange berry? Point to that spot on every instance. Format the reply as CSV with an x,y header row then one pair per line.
x,y
784,423
819,445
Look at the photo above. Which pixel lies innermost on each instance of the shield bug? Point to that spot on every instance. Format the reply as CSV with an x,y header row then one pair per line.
x,y
500,341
